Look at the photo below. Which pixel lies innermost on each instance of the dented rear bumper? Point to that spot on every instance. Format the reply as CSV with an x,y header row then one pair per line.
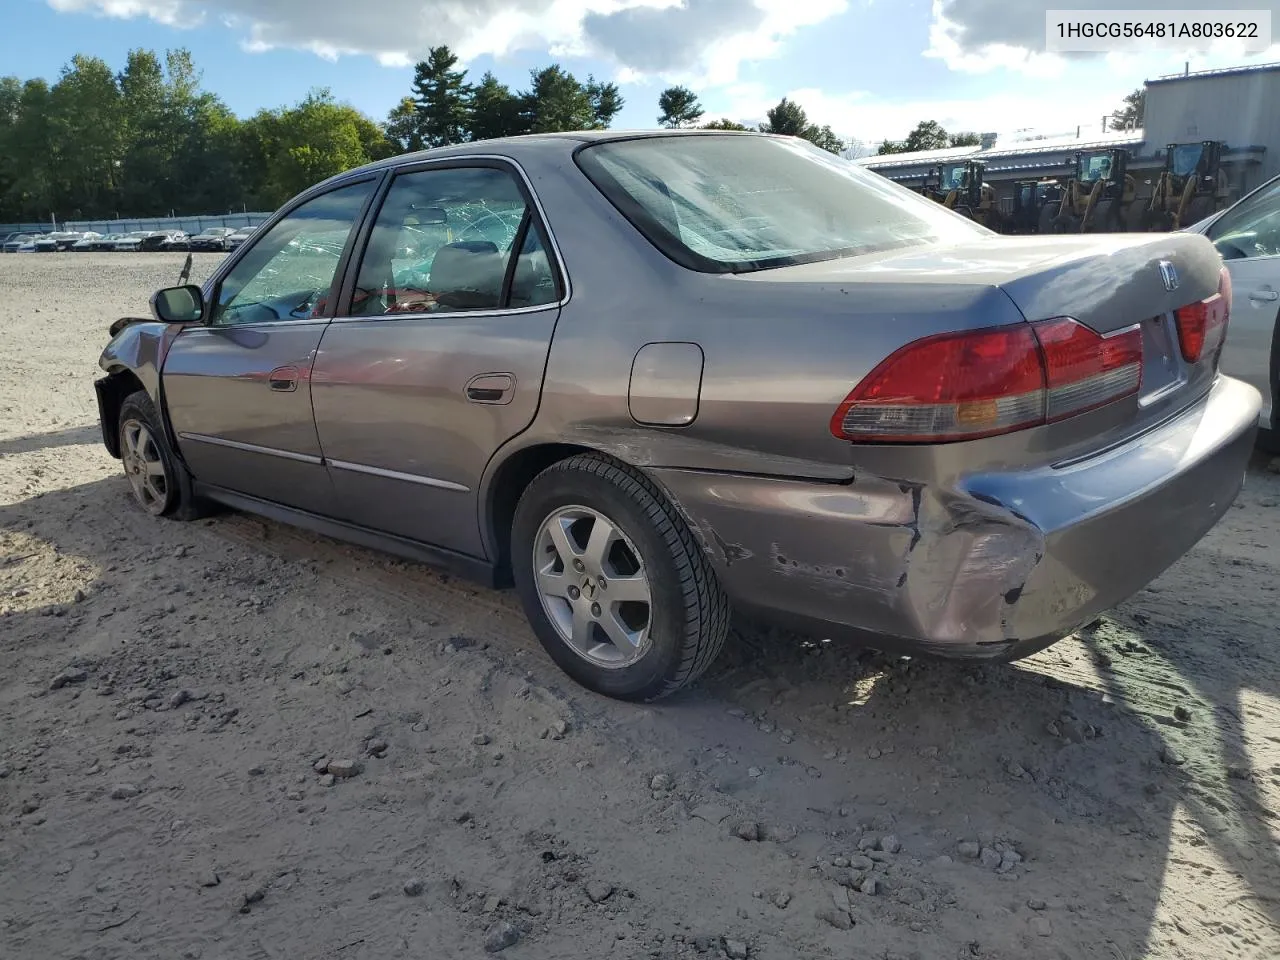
x,y
992,565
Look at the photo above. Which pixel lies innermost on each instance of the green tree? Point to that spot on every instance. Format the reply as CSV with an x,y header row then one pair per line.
x,y
556,101
927,135
787,119
722,124
1135,105
679,106
402,126
824,137
86,138
441,95
307,143
495,110
606,102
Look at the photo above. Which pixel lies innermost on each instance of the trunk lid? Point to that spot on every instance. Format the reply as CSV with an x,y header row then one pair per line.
x,y
1107,282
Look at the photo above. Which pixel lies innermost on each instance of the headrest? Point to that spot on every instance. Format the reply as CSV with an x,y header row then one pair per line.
x,y
468,273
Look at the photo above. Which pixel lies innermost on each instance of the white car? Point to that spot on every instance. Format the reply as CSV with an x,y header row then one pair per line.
x,y
1247,234
86,242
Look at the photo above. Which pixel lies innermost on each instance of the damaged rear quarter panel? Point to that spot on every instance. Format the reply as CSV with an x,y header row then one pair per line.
x,y
896,559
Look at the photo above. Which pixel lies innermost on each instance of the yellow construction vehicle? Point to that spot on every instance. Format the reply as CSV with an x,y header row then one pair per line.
x,y
962,187
1191,187
1098,197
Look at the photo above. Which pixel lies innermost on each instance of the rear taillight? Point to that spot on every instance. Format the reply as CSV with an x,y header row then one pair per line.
x,y
1083,370
1202,326
981,383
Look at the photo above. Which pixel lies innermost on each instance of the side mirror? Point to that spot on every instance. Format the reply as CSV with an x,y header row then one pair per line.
x,y
178,304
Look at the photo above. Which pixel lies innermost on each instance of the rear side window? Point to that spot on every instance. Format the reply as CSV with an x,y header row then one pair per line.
x,y
453,240
734,203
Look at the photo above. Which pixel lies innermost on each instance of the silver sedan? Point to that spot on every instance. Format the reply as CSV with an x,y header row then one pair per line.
x,y
653,380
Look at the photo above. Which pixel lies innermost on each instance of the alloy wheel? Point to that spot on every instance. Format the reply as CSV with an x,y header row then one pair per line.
x,y
594,586
143,466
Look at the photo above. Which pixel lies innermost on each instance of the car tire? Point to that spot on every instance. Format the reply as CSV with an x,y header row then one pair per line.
x,y
1048,213
674,615
159,482
1103,217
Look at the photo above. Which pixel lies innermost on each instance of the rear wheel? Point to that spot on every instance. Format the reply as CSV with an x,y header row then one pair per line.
x,y
613,582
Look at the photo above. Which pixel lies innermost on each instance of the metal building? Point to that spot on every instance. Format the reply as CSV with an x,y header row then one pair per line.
x,y
1239,106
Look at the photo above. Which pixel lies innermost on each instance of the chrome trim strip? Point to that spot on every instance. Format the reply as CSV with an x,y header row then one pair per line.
x,y
252,448
397,475
211,328
443,315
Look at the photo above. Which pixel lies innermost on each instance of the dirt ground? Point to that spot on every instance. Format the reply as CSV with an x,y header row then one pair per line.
x,y
169,691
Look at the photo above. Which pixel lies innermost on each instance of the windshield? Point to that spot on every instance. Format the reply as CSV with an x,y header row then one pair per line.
x,y
1095,167
1186,158
733,203
954,176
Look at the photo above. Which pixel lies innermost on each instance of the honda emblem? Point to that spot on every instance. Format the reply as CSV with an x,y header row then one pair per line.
x,y
1169,274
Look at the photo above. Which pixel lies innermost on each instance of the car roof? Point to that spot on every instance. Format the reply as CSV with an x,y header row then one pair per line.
x,y
516,147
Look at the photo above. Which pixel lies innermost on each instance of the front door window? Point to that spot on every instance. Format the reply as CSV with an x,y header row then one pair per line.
x,y
289,271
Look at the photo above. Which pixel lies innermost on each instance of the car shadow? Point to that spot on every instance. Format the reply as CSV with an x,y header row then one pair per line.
x,y
1078,759
69,437
1126,755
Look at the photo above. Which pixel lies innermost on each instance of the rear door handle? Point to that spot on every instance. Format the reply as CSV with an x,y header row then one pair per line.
x,y
283,379
490,388
1264,294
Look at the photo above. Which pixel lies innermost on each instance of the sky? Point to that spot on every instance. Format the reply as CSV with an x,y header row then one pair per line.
x,y
870,68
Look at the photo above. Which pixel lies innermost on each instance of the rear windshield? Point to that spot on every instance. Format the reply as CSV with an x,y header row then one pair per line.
x,y
731,204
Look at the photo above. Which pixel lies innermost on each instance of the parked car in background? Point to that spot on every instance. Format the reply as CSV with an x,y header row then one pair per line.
x,y
130,242
214,238
801,390
234,240
14,241
1247,235
86,242
106,242
157,240
29,244
60,240
176,241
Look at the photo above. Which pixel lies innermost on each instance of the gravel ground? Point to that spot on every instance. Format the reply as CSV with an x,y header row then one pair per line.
x,y
231,739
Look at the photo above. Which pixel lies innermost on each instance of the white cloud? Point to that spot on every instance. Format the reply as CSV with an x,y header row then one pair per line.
x,y
980,36
687,39
870,119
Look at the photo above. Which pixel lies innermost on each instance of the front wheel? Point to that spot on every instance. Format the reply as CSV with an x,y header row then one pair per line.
x,y
158,480
613,582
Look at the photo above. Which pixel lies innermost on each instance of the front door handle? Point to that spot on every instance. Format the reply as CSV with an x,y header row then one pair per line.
x,y
283,379
491,388
1264,295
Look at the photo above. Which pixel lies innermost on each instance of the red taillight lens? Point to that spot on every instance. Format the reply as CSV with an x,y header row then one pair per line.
x,y
1083,370
950,387
981,383
1202,326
